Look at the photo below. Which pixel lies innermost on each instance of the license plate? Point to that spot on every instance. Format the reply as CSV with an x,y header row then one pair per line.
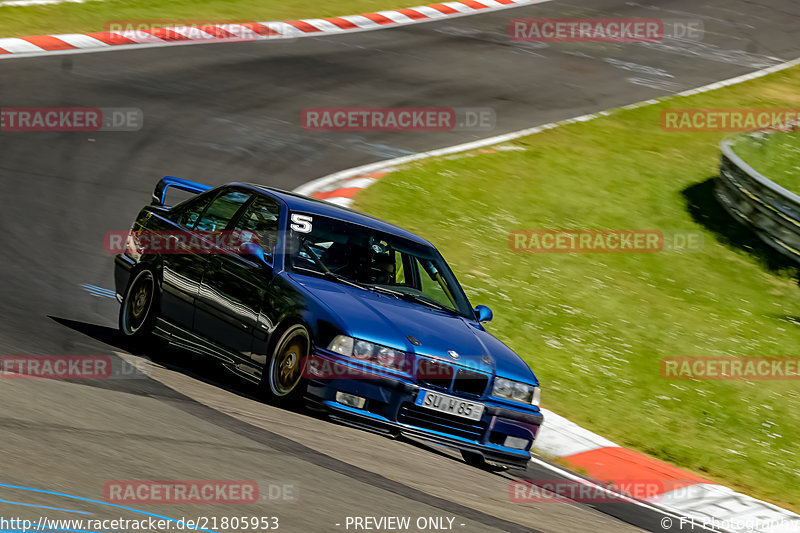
x,y
449,404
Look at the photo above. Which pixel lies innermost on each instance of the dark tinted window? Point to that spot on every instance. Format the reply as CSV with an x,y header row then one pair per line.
x,y
221,211
261,218
355,253
192,211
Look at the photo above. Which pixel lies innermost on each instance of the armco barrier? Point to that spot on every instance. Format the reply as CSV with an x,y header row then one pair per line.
x,y
770,210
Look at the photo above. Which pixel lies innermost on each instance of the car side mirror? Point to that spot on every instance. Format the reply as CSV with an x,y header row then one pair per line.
x,y
255,253
483,313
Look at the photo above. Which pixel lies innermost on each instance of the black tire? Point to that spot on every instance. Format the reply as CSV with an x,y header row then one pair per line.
x,y
474,459
283,381
138,309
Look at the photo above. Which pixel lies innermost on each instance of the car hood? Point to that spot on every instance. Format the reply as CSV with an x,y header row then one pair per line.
x,y
390,321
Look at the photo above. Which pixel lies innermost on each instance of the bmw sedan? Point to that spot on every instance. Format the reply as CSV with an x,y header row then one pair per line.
x,y
321,304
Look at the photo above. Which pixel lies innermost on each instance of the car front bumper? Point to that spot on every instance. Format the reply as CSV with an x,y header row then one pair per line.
x,y
390,408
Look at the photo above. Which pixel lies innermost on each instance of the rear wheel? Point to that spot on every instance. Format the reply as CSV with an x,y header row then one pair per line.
x,y
136,314
283,380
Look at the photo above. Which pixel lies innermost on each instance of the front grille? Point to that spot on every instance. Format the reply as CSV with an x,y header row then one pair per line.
x,y
435,374
452,425
468,382
444,376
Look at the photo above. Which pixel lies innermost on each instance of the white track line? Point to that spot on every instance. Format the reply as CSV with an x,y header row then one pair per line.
x,y
697,525
560,428
326,181
287,31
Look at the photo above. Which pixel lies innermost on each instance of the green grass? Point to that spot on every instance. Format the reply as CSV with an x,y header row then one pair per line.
x,y
595,326
775,155
94,15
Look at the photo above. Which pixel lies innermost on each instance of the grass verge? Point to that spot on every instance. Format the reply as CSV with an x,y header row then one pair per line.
x,y
594,327
94,15
775,155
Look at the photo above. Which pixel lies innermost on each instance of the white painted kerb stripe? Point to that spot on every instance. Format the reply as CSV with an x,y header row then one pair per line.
x,y
560,438
18,46
80,40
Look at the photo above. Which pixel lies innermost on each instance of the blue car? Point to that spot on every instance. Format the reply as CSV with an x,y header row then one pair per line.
x,y
321,304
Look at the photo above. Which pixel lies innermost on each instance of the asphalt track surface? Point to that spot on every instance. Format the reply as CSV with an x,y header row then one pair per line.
x,y
218,113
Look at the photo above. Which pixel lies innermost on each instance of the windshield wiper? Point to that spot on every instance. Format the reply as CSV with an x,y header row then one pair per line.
x,y
410,298
331,276
384,290
425,301
342,279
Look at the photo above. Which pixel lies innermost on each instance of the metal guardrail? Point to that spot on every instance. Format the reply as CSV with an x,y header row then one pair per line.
x,y
770,210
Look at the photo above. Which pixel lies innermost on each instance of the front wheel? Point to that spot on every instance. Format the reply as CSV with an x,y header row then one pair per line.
x,y
136,314
283,379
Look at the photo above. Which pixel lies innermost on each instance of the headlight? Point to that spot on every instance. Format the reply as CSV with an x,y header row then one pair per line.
x,y
522,393
503,388
367,351
516,391
387,356
363,350
342,344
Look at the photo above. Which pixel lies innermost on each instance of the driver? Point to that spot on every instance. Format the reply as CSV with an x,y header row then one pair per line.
x,y
381,269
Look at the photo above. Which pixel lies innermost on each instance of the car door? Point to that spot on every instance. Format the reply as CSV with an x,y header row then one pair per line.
x,y
235,286
183,269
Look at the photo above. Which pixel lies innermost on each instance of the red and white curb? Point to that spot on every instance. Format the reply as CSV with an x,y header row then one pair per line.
x,y
676,490
683,493
341,191
246,31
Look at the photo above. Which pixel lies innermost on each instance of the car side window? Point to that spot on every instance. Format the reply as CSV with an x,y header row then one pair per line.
x,y
400,261
221,211
432,284
192,211
261,218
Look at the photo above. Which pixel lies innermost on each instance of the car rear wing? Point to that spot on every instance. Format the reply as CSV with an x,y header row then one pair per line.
x,y
160,193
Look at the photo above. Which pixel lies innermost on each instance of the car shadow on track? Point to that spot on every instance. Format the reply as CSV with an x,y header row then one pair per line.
x,y
196,366
205,369
209,371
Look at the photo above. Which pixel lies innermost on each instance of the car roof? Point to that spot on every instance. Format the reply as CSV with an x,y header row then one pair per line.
x,y
299,202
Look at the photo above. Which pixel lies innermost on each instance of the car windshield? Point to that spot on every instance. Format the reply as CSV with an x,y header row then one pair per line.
x,y
358,255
